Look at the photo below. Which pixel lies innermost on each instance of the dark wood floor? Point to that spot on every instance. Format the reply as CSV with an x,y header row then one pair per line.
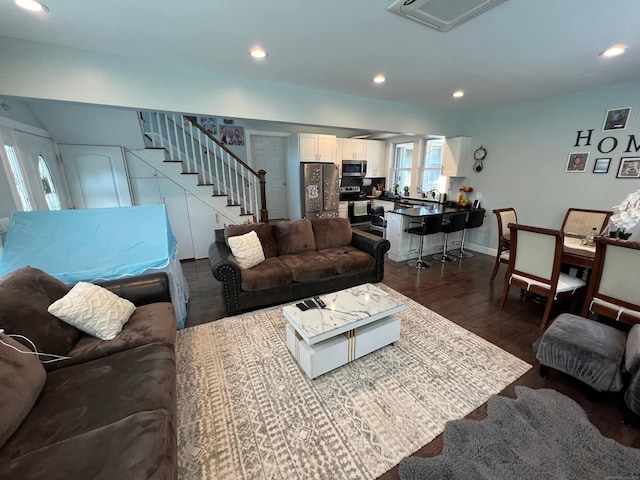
x,y
462,293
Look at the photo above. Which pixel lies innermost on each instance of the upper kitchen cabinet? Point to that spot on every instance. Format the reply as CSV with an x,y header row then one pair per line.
x,y
376,157
456,161
317,148
352,149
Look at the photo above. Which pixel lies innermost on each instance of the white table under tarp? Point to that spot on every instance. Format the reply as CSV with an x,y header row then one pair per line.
x,y
97,244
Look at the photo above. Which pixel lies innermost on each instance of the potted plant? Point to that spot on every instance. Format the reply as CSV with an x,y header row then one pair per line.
x,y
396,186
406,191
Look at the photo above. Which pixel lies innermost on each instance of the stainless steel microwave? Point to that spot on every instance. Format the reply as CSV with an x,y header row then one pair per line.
x,y
354,168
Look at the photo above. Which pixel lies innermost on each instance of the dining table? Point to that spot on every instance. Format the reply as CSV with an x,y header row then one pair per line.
x,y
576,254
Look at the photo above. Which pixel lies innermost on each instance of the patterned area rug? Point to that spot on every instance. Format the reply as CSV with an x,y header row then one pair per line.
x,y
247,411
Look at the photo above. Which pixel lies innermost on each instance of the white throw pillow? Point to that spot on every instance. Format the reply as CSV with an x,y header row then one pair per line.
x,y
247,249
93,310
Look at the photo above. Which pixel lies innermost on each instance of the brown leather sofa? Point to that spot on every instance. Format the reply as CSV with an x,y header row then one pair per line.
x,y
303,258
107,412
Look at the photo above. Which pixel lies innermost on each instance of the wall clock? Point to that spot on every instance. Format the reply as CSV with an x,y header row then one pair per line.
x,y
479,155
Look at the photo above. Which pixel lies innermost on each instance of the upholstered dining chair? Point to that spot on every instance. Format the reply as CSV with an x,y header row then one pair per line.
x,y
579,222
534,265
505,216
614,283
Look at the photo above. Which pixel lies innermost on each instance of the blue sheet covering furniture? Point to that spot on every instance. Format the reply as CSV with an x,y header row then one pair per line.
x,y
97,244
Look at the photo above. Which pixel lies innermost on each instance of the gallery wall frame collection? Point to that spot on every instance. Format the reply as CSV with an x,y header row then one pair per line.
x,y
629,167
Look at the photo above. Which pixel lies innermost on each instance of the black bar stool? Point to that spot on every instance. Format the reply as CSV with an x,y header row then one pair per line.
x,y
430,224
475,219
454,223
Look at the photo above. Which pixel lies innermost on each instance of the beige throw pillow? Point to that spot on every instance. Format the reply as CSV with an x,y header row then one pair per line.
x,y
247,249
94,310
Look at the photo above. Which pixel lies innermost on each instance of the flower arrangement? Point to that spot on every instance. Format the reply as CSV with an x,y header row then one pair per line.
x,y
628,215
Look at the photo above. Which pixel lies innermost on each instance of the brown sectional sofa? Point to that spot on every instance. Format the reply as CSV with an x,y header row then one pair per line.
x,y
107,412
302,258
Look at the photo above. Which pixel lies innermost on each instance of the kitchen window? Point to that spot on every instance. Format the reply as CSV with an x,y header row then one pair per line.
x,y
402,164
432,178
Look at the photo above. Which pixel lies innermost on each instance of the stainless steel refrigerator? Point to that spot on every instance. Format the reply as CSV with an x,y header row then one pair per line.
x,y
320,190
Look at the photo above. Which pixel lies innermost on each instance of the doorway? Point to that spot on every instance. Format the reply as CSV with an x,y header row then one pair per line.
x,y
268,152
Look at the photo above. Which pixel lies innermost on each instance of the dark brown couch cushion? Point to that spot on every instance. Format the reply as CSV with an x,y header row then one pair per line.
x,y
142,445
152,323
81,398
21,380
349,259
271,273
25,295
331,232
294,236
264,232
309,266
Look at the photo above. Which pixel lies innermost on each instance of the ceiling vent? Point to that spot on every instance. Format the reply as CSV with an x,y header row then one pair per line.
x,y
442,15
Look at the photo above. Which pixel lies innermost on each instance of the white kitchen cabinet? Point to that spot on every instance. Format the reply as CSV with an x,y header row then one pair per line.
x,y
353,149
376,157
457,158
317,148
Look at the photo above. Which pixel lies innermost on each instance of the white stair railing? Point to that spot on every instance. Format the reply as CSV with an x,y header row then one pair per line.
x,y
201,153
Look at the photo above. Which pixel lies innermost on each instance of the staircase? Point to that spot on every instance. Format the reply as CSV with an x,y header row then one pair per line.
x,y
183,151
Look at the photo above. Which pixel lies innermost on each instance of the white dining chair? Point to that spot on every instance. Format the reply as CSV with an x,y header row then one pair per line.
x,y
534,266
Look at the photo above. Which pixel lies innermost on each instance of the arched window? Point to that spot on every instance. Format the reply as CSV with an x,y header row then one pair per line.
x,y
50,194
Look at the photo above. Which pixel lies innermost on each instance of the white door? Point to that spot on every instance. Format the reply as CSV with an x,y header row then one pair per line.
x,y
268,153
32,148
97,176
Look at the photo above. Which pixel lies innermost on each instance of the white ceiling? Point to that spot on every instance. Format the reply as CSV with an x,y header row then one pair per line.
x,y
520,50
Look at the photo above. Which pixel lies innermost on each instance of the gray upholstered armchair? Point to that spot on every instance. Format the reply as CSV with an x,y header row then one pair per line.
x,y
594,353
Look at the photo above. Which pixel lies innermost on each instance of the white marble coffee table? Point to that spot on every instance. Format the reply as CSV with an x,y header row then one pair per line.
x,y
355,322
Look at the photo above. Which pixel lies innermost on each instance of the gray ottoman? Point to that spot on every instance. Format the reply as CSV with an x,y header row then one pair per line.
x,y
585,349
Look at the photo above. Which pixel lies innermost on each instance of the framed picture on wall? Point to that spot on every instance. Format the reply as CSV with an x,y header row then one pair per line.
x,y
629,167
210,124
616,119
601,165
577,162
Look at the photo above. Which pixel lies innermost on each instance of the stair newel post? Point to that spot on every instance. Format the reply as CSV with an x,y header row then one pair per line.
x,y
264,213
246,199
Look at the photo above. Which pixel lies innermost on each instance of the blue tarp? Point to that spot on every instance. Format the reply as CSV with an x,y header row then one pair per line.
x,y
96,244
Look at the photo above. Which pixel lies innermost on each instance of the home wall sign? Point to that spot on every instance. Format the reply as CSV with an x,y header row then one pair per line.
x,y
607,144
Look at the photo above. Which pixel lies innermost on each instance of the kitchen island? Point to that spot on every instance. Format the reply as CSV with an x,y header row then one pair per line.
x,y
404,245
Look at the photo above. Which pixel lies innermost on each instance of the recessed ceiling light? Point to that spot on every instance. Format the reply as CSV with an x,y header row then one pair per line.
x,y
258,52
458,94
614,51
32,5
379,79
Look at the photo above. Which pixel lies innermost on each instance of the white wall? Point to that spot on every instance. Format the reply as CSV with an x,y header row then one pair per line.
x,y
85,124
79,76
528,147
